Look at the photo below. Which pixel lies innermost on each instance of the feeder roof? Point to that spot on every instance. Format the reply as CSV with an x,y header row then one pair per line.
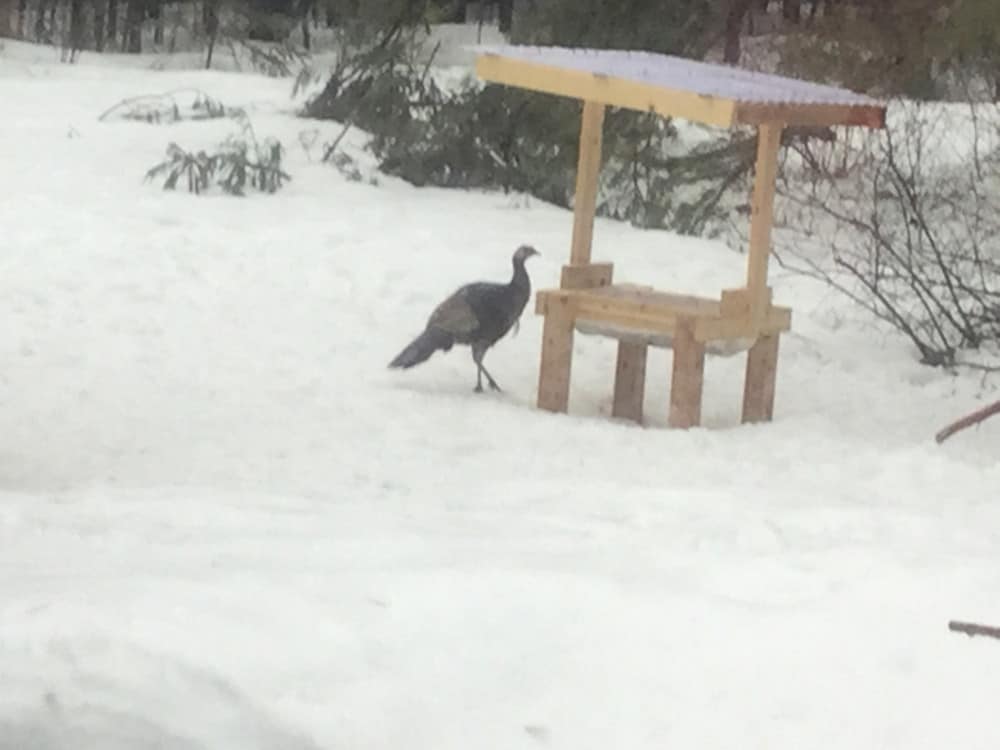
x,y
704,92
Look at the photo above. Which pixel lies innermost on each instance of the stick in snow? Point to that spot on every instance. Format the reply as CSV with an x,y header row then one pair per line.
x,y
970,629
967,421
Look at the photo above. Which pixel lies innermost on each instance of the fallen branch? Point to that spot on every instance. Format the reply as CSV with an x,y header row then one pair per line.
x,y
164,108
970,629
976,417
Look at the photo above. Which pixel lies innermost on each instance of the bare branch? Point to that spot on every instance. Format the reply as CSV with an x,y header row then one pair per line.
x,y
980,415
971,629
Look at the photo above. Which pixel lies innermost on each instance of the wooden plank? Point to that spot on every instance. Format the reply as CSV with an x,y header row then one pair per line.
x,y
762,218
630,381
588,169
615,92
761,374
777,319
688,377
758,113
635,294
614,303
595,306
590,309
586,276
557,354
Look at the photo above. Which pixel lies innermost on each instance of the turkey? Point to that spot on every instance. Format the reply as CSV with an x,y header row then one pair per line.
x,y
476,315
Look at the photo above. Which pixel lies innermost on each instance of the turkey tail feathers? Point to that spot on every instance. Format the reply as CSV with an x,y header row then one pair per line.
x,y
422,347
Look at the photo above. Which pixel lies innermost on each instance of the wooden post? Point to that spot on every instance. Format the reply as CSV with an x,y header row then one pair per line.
x,y
557,355
761,373
630,381
589,276
587,171
761,219
688,377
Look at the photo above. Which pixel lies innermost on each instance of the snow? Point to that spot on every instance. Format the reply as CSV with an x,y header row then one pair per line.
x,y
225,524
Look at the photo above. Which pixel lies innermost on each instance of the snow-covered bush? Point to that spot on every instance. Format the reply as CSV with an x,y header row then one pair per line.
x,y
239,163
906,223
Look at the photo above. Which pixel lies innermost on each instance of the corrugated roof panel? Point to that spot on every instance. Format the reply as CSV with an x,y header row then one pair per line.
x,y
702,78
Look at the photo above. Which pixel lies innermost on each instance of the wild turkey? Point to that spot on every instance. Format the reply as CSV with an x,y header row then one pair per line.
x,y
477,315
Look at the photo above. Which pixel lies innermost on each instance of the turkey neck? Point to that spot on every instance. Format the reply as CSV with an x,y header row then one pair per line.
x,y
520,279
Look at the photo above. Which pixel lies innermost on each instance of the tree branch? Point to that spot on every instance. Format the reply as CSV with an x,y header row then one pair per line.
x,y
971,629
969,420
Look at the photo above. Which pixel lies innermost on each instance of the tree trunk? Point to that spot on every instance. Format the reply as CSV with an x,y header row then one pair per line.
x,y
112,35
76,28
41,33
134,12
156,13
210,20
306,39
100,13
7,18
758,8
505,16
734,27
791,11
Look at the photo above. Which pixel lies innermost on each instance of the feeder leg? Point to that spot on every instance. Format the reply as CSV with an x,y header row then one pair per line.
x,y
688,377
557,357
630,381
761,373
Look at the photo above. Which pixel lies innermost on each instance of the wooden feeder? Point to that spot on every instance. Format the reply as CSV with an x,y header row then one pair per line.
x,y
639,316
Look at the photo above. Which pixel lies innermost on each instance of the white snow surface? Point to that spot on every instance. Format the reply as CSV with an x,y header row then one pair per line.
x,y
224,524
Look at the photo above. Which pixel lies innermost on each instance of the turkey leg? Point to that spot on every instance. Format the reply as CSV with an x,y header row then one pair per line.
x,y
477,356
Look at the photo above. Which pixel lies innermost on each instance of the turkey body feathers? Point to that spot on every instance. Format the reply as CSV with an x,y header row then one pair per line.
x,y
476,315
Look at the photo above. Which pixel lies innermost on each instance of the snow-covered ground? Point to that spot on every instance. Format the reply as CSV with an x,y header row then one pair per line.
x,y
225,524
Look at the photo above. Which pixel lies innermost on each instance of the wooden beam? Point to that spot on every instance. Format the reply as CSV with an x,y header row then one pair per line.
x,y
630,381
587,276
776,320
603,89
557,354
599,310
588,170
762,218
761,374
755,113
662,318
688,377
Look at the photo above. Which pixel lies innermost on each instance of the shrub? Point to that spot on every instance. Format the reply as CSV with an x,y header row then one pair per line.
x,y
906,224
240,162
